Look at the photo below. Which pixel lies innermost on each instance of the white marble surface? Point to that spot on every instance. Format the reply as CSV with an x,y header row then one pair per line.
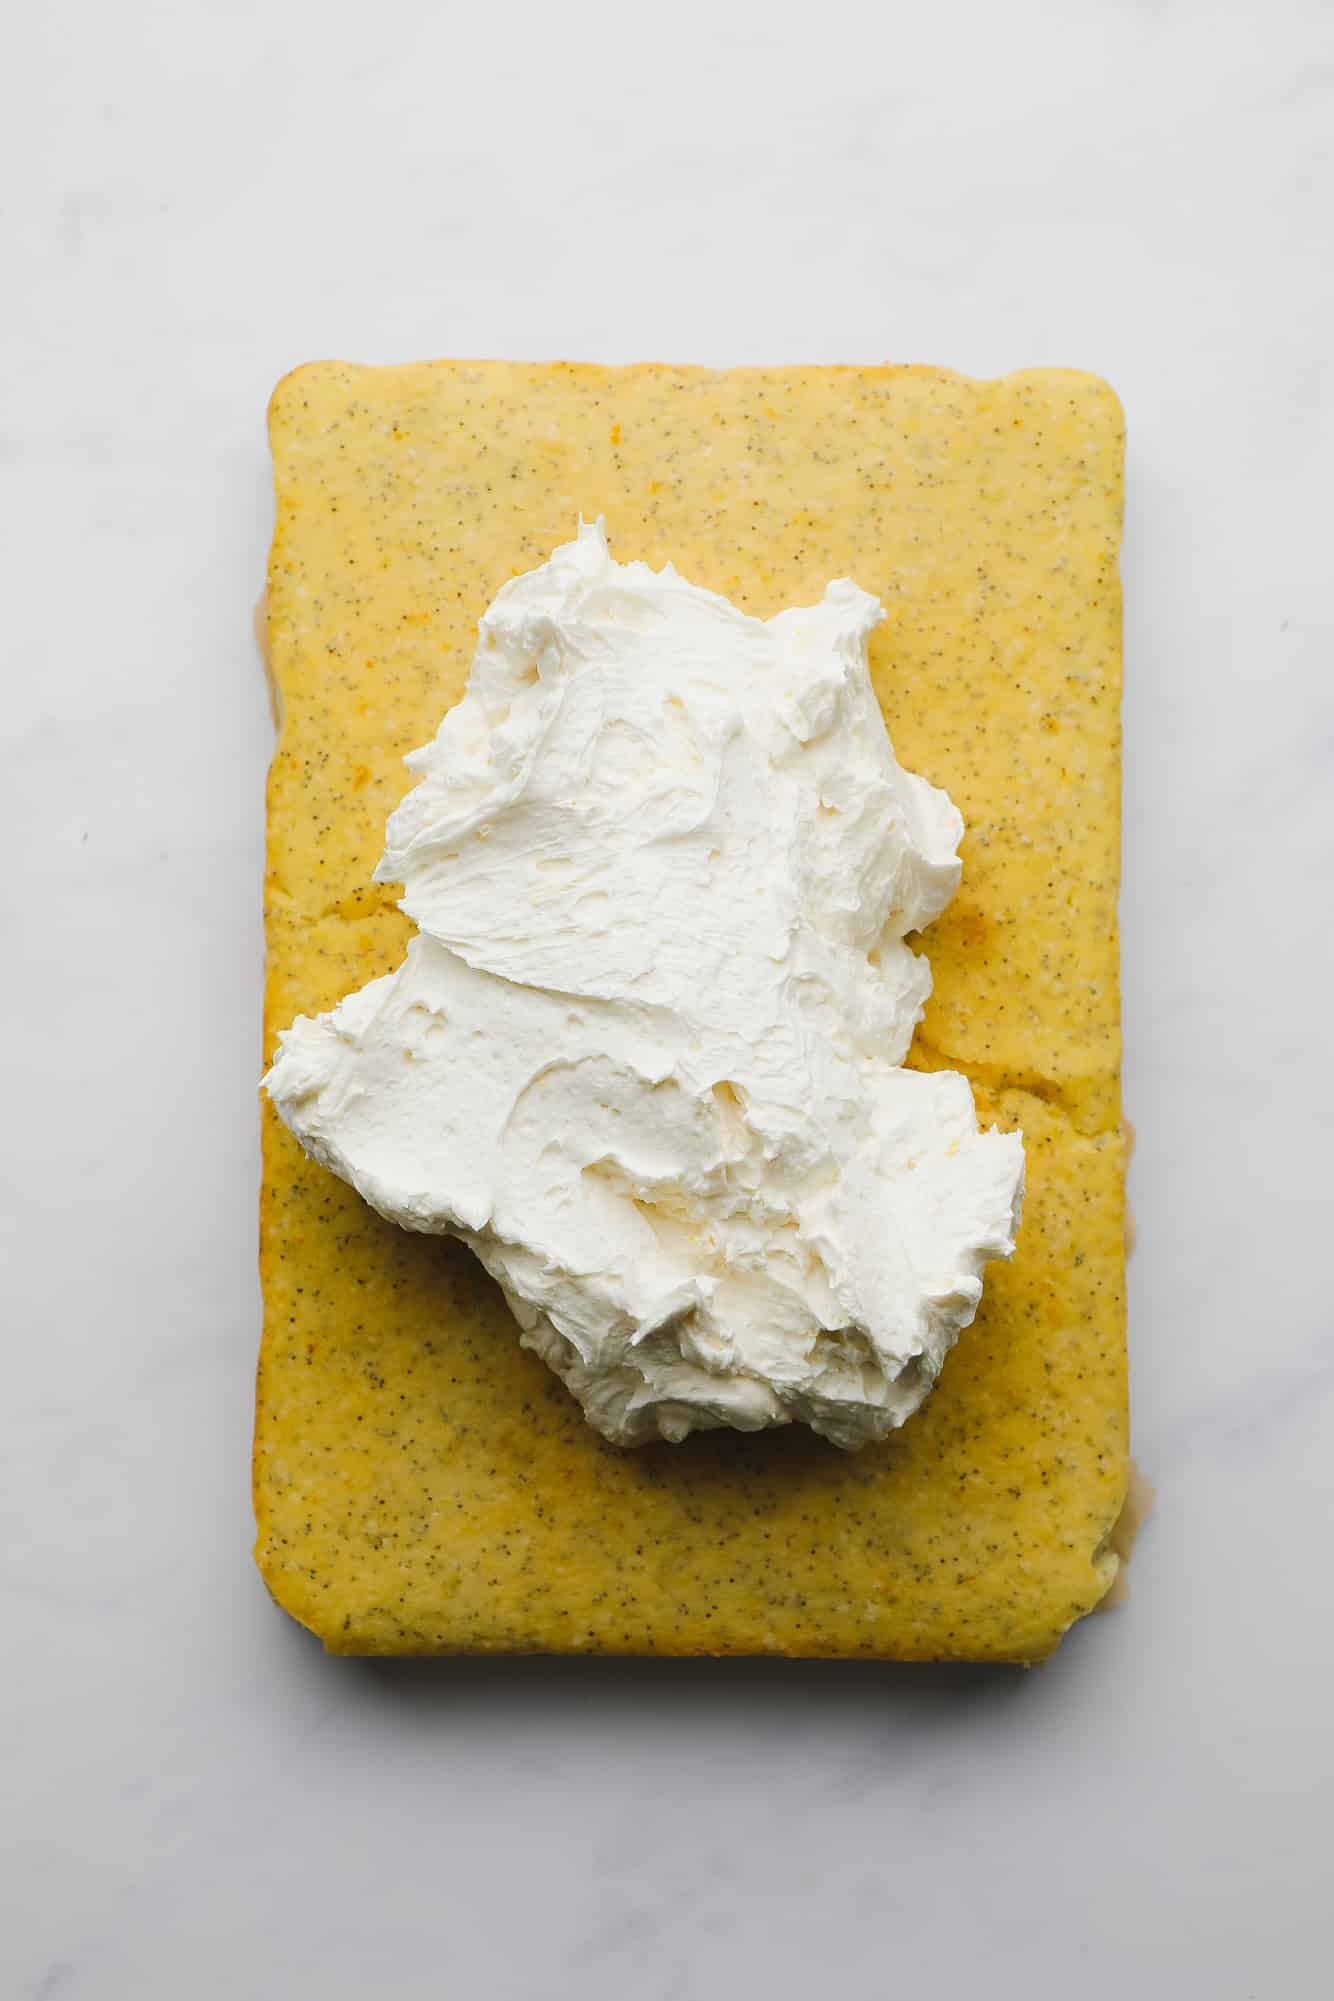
x,y
195,1803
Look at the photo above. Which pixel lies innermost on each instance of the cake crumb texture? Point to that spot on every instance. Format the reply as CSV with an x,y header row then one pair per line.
x,y
422,1484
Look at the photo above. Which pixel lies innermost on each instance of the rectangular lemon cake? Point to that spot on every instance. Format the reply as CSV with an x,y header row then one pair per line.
x,y
424,1485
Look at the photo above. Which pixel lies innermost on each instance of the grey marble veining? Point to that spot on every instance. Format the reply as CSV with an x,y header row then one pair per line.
x,y
195,1802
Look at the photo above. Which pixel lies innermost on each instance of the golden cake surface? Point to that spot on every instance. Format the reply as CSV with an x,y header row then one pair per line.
x,y
422,1484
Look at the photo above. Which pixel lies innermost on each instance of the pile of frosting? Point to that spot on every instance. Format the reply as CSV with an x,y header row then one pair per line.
x,y
644,1055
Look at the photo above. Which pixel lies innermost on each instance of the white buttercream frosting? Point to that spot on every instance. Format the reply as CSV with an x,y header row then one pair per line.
x,y
644,1055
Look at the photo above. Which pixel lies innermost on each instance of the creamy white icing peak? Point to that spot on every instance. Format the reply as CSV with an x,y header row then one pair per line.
x,y
644,1054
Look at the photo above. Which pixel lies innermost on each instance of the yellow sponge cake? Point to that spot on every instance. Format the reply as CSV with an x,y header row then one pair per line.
x,y
423,1484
